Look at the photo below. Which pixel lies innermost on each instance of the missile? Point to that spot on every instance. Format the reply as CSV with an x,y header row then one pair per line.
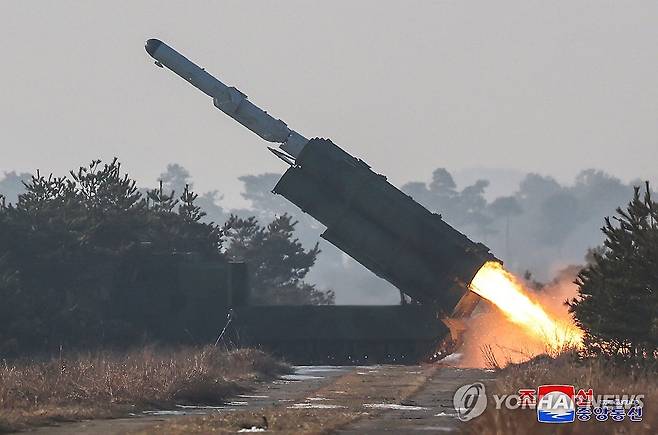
x,y
228,99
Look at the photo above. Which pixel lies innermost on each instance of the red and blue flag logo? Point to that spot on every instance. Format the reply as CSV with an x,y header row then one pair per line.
x,y
555,404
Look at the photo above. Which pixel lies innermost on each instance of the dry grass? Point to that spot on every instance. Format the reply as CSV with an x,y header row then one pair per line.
x,y
275,420
108,384
566,369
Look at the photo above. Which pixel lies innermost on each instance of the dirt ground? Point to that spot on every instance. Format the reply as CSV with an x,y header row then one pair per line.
x,y
316,399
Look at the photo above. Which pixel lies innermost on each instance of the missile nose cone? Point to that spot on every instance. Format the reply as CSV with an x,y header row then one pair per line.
x,y
152,45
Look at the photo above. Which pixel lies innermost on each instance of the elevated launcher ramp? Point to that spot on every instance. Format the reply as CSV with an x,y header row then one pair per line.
x,y
366,217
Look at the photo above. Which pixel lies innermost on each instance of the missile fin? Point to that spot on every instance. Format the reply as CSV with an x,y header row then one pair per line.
x,y
283,156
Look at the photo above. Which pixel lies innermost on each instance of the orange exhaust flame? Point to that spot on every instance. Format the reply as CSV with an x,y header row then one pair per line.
x,y
501,288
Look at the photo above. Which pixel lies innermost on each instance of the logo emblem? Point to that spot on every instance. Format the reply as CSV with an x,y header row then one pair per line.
x,y
555,404
470,401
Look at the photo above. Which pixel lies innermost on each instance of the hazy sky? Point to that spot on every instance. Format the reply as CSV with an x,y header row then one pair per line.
x,y
543,86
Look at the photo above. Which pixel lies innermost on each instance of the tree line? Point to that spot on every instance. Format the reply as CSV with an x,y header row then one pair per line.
x,y
541,227
70,245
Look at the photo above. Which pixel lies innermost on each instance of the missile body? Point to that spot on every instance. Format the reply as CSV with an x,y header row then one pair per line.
x,y
228,99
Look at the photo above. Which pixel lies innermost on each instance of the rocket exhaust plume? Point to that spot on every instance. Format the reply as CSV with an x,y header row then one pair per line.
x,y
501,288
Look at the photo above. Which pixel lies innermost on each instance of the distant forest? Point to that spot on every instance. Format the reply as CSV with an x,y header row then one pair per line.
x,y
540,227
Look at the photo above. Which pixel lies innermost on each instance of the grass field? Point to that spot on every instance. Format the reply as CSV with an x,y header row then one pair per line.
x,y
110,384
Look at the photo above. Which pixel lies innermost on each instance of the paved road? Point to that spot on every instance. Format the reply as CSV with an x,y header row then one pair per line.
x,y
372,400
430,410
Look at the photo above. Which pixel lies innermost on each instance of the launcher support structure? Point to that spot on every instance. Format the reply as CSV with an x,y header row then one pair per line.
x,y
366,217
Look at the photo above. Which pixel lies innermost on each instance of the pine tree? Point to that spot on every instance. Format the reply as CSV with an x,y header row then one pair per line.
x,y
71,246
278,262
617,305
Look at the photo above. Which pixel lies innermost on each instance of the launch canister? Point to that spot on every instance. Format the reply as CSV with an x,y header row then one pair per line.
x,y
228,99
